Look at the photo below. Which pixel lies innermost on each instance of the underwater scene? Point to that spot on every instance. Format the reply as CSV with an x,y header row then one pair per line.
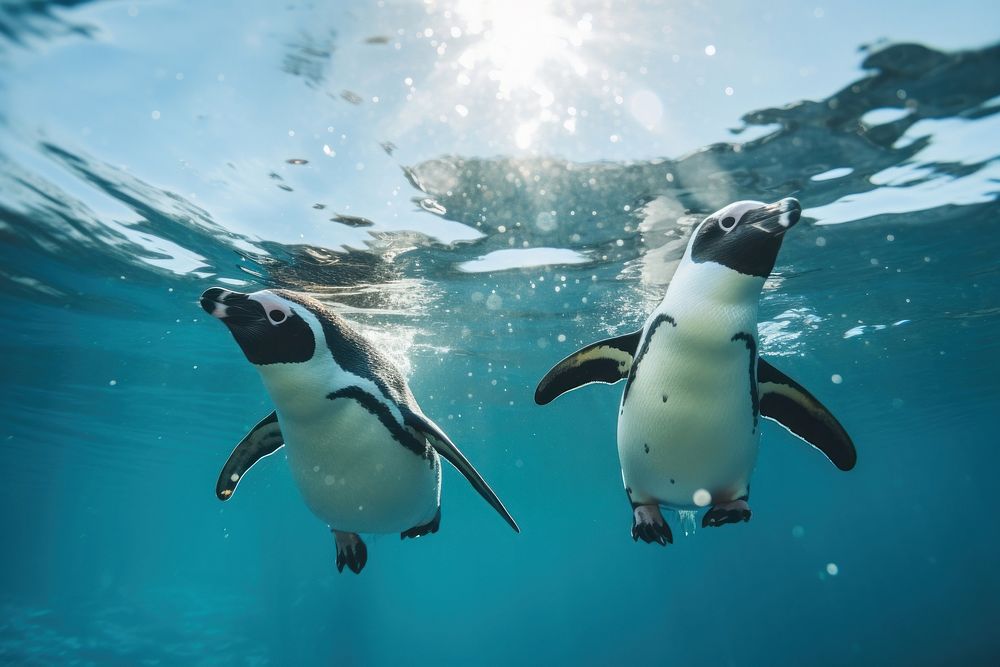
x,y
508,304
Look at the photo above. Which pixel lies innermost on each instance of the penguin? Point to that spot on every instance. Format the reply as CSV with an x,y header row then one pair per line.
x,y
363,455
696,387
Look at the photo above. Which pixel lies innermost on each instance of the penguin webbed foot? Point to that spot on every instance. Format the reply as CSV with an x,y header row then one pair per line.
x,y
351,551
426,529
649,525
732,512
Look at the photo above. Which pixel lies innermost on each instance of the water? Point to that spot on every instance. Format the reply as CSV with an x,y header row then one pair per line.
x,y
529,173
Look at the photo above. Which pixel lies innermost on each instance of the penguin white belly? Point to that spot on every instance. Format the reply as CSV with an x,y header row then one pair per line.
x,y
687,423
354,476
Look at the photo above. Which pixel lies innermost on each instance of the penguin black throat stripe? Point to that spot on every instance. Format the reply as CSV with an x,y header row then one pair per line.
x,y
660,319
754,396
381,412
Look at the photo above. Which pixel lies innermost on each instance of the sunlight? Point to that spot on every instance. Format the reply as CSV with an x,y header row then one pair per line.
x,y
515,39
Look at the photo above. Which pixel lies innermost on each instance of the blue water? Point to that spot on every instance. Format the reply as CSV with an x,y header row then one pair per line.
x,y
512,181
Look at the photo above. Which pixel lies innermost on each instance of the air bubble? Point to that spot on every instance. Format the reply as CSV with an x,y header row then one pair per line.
x,y
545,221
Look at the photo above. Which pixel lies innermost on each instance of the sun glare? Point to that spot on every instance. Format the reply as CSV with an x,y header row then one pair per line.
x,y
521,66
515,39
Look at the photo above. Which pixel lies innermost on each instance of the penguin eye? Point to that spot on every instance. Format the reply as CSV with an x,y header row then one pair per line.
x,y
276,316
727,224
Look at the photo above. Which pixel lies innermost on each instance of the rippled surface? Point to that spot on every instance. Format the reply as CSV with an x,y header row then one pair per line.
x,y
482,188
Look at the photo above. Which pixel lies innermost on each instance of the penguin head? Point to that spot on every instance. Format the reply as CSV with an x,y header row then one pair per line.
x,y
268,327
745,236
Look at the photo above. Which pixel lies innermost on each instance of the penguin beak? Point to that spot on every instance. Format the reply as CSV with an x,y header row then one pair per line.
x,y
230,307
776,218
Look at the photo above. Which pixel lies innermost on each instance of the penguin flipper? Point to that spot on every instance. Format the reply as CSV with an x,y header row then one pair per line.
x,y
788,403
263,439
607,361
446,448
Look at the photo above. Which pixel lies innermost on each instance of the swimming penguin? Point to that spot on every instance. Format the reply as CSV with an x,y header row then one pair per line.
x,y
695,390
363,454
